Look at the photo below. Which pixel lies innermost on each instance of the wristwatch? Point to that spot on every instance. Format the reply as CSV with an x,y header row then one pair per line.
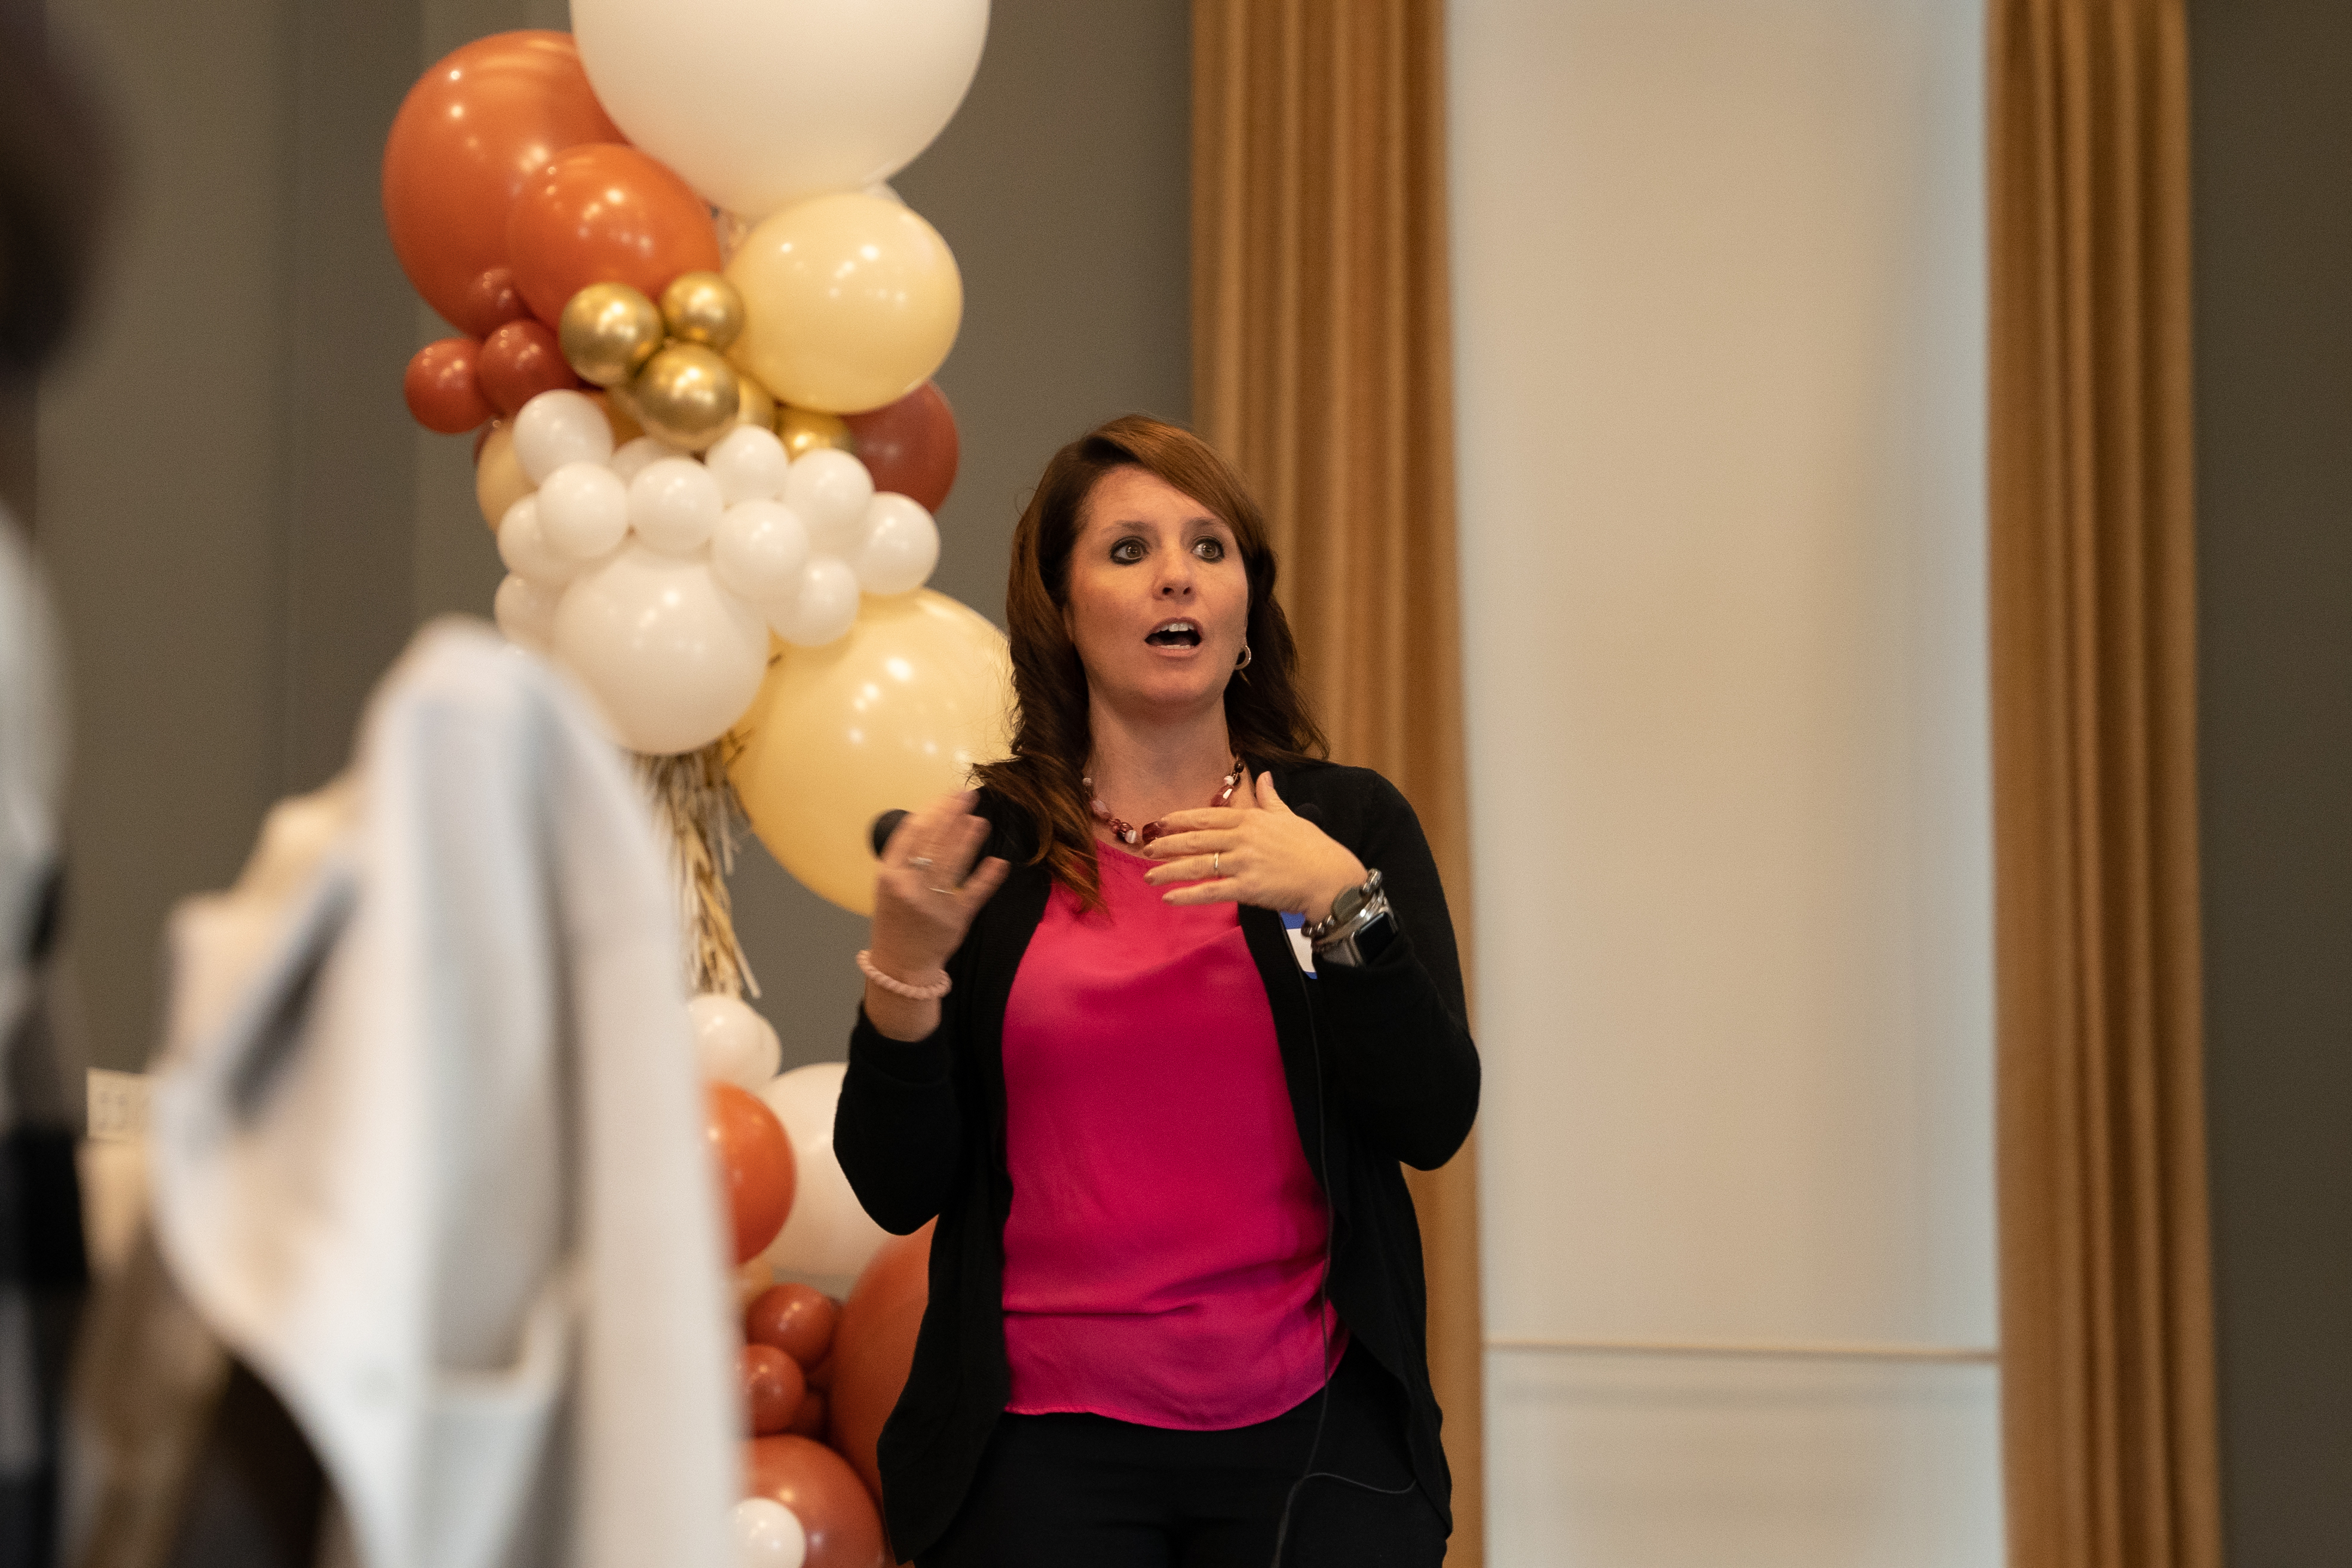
x,y
1358,928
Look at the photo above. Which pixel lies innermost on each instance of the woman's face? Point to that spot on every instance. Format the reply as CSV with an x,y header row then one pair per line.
x,y
1158,598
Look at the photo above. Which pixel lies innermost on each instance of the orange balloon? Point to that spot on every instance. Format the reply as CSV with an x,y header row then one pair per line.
x,y
798,1320
468,134
604,215
844,1530
757,1158
875,1346
492,300
774,1389
518,362
442,393
808,1421
910,446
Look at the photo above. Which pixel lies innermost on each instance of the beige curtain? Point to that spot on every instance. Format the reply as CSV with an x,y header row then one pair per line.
x,y
1322,365
2106,1319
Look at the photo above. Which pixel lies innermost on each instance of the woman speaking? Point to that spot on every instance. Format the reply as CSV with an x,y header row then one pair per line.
x,y
1176,1299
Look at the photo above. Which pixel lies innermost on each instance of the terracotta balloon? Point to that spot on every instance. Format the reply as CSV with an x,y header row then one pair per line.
x,y
808,1421
875,1346
469,133
442,391
909,445
499,478
518,362
844,1530
756,1160
895,714
492,300
796,1319
774,1388
604,215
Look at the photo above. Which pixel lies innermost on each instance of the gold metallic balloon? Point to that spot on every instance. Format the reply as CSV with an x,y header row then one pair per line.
x,y
608,332
703,308
756,408
687,396
803,430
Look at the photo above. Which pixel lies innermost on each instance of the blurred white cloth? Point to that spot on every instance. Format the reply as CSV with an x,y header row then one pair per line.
x,y
427,1140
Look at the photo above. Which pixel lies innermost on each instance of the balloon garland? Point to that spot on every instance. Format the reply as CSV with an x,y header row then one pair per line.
x,y
694,333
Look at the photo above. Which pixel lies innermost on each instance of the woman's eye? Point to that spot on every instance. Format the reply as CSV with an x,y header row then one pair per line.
x,y
1210,550
1127,551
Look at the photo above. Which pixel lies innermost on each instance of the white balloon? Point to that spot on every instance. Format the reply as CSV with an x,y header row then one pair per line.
x,y
525,612
749,463
674,504
821,608
672,657
584,511
732,1043
759,550
769,1536
902,545
828,1233
558,428
758,103
830,490
631,459
523,547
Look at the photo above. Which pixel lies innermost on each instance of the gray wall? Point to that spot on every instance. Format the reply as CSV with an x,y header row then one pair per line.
x,y
2272,101
243,526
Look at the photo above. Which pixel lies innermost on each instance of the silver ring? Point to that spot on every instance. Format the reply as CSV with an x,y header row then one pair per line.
x,y
920,863
950,892
1215,858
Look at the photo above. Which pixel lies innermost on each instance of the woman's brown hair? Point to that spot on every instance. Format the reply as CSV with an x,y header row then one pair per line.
x,y
1266,712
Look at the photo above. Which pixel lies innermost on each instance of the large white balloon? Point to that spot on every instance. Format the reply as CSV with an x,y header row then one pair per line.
x,y
673,659
757,103
769,1536
828,1236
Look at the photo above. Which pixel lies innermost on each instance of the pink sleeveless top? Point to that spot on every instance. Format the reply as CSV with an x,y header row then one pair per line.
x,y
1165,1245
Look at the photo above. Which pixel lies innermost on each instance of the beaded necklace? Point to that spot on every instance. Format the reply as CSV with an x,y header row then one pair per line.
x,y
1126,832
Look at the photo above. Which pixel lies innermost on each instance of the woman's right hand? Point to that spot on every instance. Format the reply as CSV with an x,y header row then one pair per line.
x,y
925,893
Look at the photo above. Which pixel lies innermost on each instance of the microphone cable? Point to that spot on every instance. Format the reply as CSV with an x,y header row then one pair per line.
x,y
1323,1291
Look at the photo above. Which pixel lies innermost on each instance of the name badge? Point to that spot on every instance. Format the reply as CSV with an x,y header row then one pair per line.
x,y
1294,925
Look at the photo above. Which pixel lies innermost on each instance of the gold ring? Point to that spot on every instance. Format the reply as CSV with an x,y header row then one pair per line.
x,y
1216,860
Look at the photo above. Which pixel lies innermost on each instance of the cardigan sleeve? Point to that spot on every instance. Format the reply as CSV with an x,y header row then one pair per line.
x,y
1398,1027
898,1129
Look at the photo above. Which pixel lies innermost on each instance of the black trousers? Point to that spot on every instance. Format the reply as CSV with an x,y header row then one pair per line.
x,y
1090,1491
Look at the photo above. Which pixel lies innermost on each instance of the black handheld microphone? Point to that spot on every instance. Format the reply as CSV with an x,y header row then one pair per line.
x,y
884,826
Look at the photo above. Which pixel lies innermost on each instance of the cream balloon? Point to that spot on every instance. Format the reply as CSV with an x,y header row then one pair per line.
x,y
758,103
852,301
895,714
731,1043
828,1237
673,659
499,478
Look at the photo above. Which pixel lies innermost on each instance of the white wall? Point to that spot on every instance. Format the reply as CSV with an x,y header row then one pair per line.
x,y
1719,293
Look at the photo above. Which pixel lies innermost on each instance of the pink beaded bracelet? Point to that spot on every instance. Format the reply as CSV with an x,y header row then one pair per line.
x,y
898,987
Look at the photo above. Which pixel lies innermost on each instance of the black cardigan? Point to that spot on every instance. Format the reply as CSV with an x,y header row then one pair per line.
x,y
919,1132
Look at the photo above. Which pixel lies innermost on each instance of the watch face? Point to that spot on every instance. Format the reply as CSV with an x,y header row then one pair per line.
x,y
1376,935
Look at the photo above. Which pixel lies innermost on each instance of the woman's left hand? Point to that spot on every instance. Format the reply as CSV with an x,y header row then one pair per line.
x,y
1255,851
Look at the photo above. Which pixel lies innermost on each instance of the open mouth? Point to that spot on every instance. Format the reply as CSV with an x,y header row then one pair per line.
x,y
1174,634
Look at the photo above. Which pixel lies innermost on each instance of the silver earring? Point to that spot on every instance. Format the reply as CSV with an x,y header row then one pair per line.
x,y
1242,662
